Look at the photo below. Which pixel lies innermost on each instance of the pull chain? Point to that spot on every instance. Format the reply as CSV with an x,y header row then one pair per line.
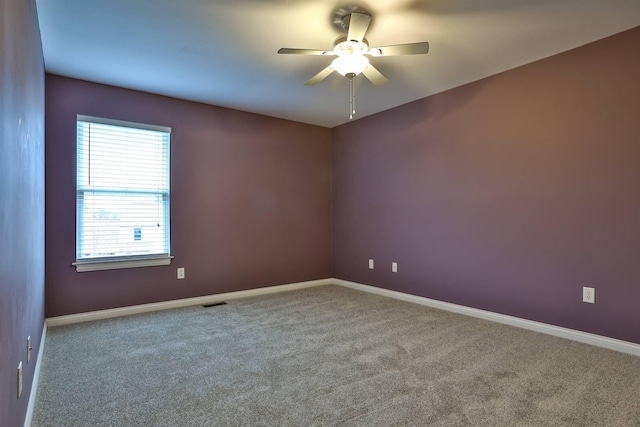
x,y
352,99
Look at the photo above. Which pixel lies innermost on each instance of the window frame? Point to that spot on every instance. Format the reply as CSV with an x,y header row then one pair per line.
x,y
129,261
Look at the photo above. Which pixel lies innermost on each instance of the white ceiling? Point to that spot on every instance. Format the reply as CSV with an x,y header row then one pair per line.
x,y
223,52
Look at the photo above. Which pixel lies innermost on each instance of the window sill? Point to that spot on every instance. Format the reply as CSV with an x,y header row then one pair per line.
x,y
116,264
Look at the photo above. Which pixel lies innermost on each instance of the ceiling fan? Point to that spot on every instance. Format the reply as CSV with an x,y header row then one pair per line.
x,y
351,50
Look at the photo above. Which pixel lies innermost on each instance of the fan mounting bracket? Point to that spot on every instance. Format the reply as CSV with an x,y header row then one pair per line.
x,y
342,16
344,22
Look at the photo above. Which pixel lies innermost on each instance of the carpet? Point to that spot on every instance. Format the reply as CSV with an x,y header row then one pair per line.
x,y
327,356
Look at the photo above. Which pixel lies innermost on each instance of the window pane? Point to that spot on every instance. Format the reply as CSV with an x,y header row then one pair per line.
x,y
120,224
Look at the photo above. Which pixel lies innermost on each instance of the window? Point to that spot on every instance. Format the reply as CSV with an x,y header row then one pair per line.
x,y
122,195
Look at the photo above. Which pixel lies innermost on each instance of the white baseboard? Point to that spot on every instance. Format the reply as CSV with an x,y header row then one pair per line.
x,y
36,378
165,305
571,334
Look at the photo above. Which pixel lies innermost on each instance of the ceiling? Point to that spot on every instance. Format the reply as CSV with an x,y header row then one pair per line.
x,y
223,52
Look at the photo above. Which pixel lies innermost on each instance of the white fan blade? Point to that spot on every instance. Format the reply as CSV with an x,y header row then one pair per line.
x,y
287,50
320,76
400,49
374,76
358,25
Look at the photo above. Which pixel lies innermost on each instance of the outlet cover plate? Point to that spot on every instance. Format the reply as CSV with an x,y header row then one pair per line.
x,y
394,267
181,273
589,295
370,264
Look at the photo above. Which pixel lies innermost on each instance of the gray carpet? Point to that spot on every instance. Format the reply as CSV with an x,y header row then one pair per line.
x,y
327,356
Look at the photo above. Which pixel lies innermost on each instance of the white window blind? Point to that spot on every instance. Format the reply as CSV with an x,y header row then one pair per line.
x,y
122,197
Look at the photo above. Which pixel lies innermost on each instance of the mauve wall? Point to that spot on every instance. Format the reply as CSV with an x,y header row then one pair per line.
x,y
250,200
21,202
508,194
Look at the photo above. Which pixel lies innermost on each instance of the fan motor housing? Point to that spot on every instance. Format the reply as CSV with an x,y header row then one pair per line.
x,y
344,47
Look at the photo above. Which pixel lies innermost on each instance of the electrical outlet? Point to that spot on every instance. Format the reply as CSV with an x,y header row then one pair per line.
x,y
394,267
19,380
181,273
370,264
29,348
589,295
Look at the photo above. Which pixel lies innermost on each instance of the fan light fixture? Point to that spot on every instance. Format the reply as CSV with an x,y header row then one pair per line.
x,y
350,65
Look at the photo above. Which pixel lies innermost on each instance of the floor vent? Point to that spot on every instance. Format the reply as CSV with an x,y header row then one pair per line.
x,y
214,304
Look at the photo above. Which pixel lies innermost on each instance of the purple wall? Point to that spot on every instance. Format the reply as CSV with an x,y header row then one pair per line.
x,y
250,200
21,201
508,194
